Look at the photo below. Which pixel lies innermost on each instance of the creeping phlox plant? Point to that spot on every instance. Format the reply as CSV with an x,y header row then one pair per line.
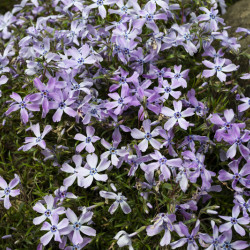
x,y
130,120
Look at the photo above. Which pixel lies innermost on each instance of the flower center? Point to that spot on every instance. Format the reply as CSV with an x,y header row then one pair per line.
x,y
218,68
215,242
62,105
88,139
124,9
177,115
238,141
163,160
190,239
233,220
44,93
120,100
187,37
177,76
76,86
140,61
112,151
148,136
99,2
22,104
77,225
7,191
226,246
149,17
53,229
93,111
237,177
126,51
227,125
63,194
80,61
212,16
93,171
167,89
38,139
122,80
47,213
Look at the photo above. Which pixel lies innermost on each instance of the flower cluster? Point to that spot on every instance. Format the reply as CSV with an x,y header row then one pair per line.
x,y
122,85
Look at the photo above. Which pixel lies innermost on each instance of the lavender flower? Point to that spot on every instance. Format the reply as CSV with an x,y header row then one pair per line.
x,y
38,140
245,105
162,222
177,115
178,77
235,139
187,238
235,222
77,226
147,136
8,191
54,229
218,68
163,163
22,104
48,211
236,177
91,170
119,200
87,140
124,239
214,241
77,172
226,244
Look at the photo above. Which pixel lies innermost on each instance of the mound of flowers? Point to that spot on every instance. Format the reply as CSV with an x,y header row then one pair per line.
x,y
134,121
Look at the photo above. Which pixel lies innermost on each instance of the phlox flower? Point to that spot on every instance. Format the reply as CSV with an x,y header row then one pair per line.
x,y
218,68
237,176
187,238
91,170
245,105
162,222
54,229
166,89
147,136
38,140
235,139
76,173
8,191
23,105
44,94
113,151
177,115
235,222
119,200
100,5
244,205
214,240
62,105
62,193
48,211
211,17
178,77
124,239
163,163
225,123
76,225
227,244
148,16
87,141
120,101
